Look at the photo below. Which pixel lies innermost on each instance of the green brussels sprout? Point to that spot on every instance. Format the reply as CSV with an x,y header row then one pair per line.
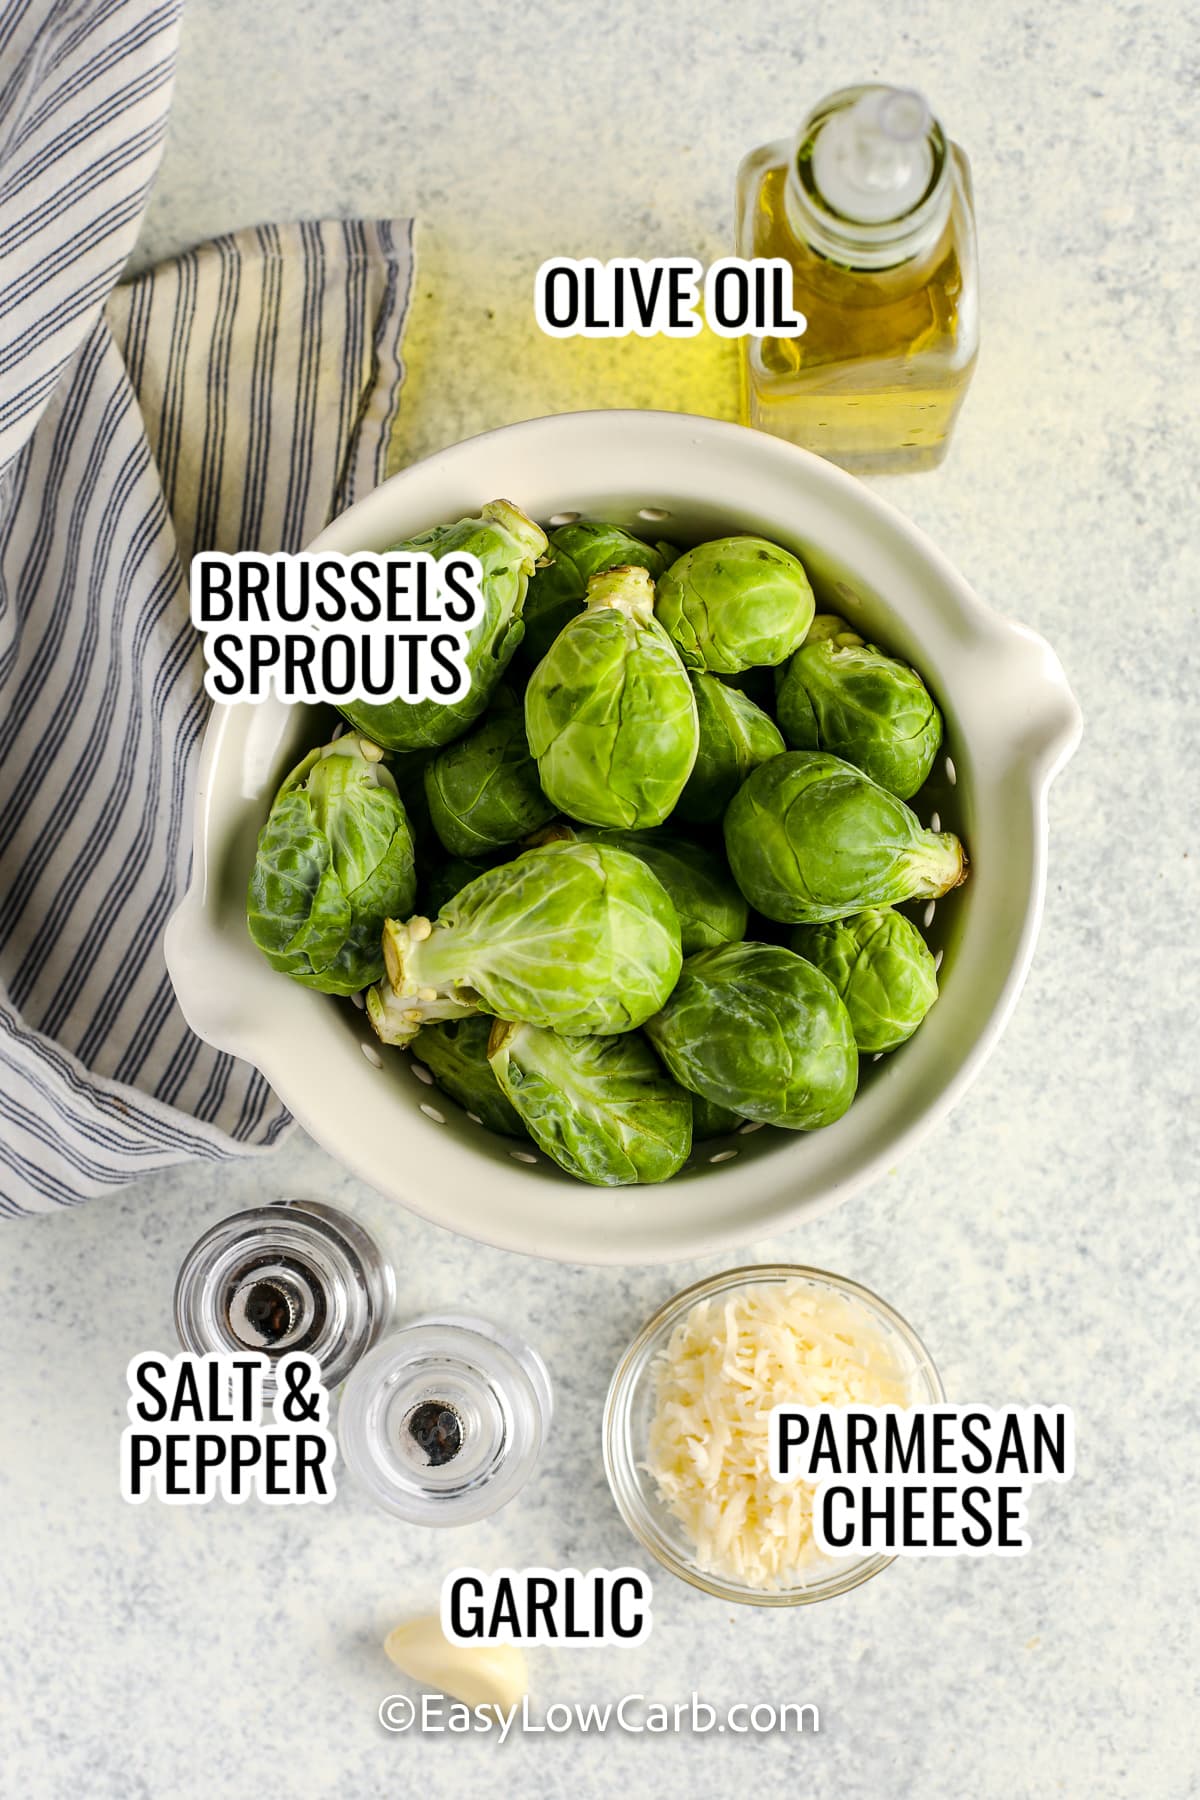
x,y
579,938
881,966
600,1106
736,603
810,838
756,1028
456,1055
735,736
439,882
334,858
710,1120
483,791
852,699
707,900
609,711
558,588
507,545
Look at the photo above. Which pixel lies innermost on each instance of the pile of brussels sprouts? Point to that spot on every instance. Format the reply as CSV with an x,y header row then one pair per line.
x,y
565,891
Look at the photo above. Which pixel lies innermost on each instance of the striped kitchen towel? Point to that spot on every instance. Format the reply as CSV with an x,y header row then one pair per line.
x,y
233,398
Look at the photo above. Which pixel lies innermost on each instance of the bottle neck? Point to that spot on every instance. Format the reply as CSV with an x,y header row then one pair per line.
x,y
851,243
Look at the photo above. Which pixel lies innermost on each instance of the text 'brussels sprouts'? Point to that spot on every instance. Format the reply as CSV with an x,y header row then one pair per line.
x,y
609,711
852,699
736,603
456,1055
602,1107
735,736
810,838
334,859
756,1028
507,545
558,589
579,938
483,791
881,966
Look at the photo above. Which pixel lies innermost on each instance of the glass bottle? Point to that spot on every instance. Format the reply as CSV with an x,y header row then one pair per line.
x,y
872,207
293,1275
445,1420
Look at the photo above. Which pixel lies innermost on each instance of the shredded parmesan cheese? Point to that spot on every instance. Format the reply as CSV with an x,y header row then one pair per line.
x,y
728,1362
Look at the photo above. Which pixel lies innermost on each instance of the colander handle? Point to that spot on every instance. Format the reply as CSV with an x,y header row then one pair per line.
x,y
1037,717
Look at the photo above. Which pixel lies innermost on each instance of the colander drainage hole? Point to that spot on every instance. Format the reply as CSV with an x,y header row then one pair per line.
x,y
422,1073
431,1112
372,1055
475,1118
722,1156
564,518
935,823
359,1001
749,1126
653,515
951,772
525,1156
937,961
927,915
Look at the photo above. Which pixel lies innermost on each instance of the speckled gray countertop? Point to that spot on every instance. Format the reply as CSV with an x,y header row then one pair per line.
x,y
1042,1241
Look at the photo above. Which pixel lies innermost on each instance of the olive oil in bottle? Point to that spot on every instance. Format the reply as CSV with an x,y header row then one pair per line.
x,y
871,205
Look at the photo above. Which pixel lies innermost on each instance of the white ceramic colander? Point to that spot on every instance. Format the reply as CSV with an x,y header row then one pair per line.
x,y
1011,723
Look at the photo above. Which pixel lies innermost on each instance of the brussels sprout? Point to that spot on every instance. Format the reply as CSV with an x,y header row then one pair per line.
x,y
736,603
335,857
600,1106
881,966
709,1120
440,882
852,699
456,1055
735,736
705,896
810,838
507,545
558,589
609,711
754,1027
483,791
580,938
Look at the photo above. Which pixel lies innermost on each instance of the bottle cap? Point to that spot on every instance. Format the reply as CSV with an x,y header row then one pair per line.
x,y
873,161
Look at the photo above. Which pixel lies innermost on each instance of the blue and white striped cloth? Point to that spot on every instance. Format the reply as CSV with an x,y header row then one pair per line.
x,y
234,398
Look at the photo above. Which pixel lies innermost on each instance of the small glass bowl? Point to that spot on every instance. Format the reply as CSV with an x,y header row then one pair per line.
x,y
630,1407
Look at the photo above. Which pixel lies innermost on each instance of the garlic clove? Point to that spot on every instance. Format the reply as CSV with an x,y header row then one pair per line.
x,y
476,1674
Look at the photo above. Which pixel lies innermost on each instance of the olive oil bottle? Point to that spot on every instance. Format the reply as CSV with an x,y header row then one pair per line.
x,y
871,205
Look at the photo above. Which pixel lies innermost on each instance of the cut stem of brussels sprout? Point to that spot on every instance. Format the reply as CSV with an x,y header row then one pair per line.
x,y
627,590
519,527
396,1019
603,1108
